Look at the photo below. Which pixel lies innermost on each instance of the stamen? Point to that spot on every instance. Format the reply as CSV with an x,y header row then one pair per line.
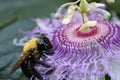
x,y
87,25
58,13
105,14
69,14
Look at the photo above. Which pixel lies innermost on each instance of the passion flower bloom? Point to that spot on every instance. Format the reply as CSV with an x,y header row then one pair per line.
x,y
87,54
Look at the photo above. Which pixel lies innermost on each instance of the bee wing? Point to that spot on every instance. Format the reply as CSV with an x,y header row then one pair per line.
x,y
19,61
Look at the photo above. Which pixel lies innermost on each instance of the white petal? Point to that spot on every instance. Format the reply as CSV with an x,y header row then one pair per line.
x,y
114,67
41,24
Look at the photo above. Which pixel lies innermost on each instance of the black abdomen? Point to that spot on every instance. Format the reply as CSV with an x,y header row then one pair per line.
x,y
25,70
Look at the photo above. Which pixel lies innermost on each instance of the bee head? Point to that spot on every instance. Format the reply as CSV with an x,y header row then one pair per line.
x,y
44,43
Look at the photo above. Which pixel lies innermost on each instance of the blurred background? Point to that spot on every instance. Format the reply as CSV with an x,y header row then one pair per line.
x,y
18,14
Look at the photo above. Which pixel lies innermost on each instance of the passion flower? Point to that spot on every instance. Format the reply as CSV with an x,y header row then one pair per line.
x,y
86,47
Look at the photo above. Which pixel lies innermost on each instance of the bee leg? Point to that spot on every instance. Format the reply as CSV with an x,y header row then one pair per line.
x,y
33,71
32,78
107,77
42,63
48,52
37,74
26,70
49,71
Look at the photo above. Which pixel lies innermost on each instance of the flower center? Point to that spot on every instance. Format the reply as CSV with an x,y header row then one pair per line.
x,y
87,33
71,35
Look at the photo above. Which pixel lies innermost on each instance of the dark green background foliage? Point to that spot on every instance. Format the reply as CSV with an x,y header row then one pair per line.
x,y
18,14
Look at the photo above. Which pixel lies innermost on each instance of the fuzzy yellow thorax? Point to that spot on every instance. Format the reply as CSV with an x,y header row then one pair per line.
x,y
31,45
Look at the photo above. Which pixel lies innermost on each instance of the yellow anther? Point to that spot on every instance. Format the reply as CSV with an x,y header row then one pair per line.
x,y
67,18
86,25
59,11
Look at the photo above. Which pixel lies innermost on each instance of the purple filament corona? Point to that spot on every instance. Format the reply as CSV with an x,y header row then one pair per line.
x,y
79,55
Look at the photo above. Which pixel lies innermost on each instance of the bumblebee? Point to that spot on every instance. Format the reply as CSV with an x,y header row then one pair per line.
x,y
33,50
